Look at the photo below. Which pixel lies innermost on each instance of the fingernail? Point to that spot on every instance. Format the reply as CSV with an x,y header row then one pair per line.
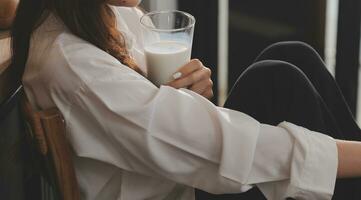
x,y
177,75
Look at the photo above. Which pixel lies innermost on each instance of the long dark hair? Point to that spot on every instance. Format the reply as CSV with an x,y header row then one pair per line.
x,y
91,20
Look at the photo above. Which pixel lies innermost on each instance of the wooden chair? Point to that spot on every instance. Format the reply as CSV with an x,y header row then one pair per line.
x,y
47,127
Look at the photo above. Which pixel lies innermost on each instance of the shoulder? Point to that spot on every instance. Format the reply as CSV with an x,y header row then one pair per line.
x,y
70,63
61,64
71,46
86,60
76,50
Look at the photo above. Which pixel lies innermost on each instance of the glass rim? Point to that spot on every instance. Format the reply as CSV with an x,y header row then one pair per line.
x,y
193,21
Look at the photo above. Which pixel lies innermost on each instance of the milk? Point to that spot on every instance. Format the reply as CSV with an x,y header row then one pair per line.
x,y
164,58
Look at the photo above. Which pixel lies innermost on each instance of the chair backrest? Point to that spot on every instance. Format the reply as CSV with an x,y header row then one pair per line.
x,y
48,129
11,149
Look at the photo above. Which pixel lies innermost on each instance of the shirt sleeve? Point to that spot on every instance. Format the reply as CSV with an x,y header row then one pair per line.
x,y
120,118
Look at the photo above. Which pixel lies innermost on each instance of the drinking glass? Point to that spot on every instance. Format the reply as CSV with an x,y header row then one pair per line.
x,y
168,37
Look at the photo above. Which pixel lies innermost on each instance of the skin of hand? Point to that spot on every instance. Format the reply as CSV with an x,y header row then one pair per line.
x,y
194,76
7,12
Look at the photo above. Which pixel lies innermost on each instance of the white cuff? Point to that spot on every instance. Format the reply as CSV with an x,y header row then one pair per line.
x,y
313,167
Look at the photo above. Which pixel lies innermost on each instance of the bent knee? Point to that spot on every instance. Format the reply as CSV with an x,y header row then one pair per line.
x,y
272,67
289,47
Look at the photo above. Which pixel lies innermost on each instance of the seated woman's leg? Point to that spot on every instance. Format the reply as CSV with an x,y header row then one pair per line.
x,y
308,60
276,91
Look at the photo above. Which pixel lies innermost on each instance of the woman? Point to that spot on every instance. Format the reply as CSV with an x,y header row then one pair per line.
x,y
132,140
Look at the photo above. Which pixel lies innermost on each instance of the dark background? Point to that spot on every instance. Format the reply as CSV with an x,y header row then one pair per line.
x,y
255,24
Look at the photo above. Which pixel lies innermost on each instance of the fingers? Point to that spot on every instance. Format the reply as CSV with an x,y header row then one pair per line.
x,y
195,77
192,78
202,86
189,68
208,93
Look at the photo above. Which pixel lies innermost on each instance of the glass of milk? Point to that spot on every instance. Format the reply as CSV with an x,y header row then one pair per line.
x,y
167,37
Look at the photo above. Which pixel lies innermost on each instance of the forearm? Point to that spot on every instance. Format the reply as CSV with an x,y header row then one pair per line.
x,y
349,159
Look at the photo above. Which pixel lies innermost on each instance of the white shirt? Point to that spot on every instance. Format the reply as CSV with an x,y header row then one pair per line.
x,y
132,140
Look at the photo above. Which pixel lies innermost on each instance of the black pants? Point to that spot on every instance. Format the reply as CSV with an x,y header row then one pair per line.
x,y
289,82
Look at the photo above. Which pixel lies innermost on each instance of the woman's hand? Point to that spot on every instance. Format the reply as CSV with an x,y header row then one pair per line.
x,y
194,76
